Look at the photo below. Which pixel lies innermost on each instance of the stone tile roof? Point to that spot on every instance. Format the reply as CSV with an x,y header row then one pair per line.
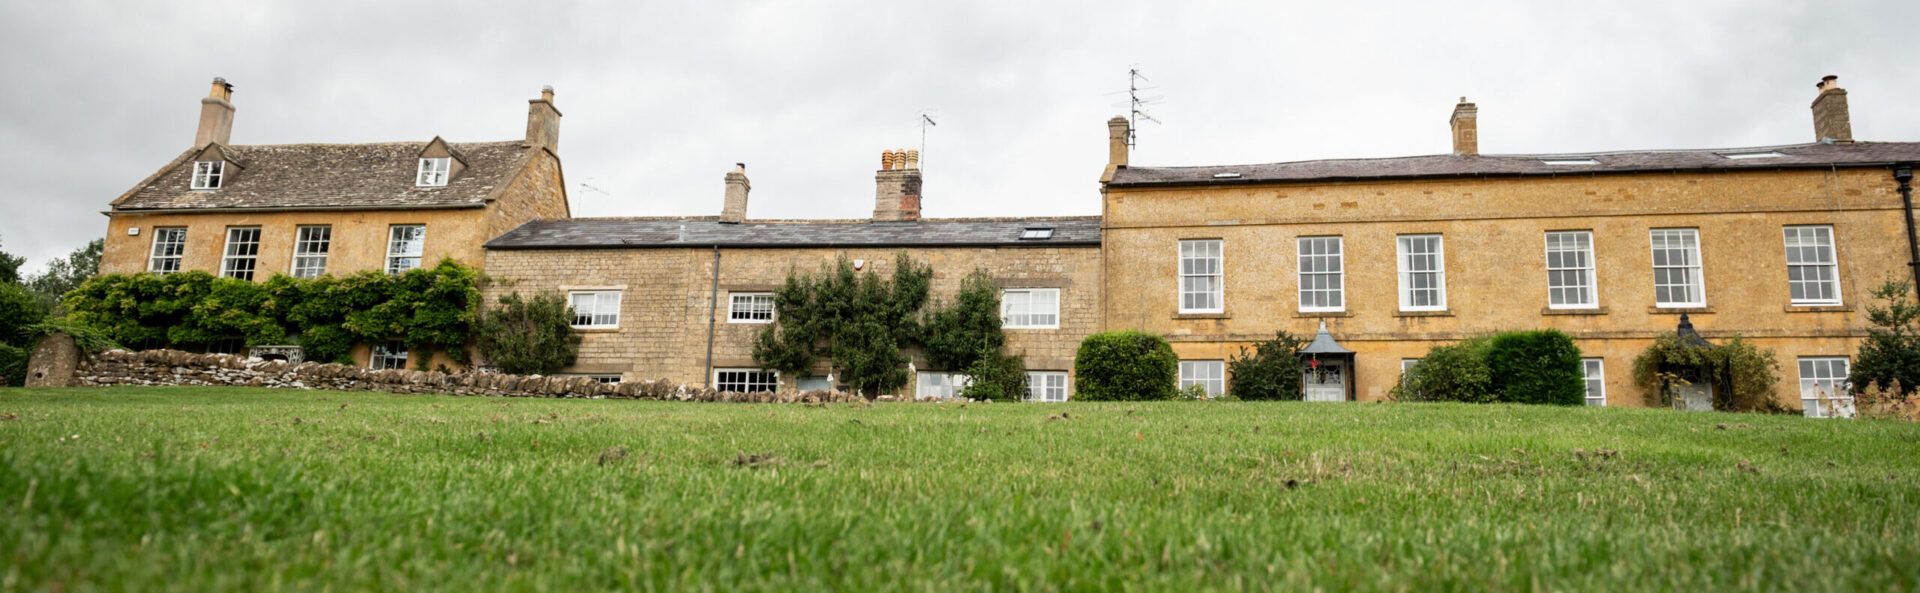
x,y
1450,165
600,233
378,175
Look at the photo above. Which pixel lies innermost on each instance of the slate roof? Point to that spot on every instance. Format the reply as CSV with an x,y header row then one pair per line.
x,y
378,175
601,233
1451,165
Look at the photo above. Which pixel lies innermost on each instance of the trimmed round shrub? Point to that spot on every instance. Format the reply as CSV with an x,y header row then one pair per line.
x,y
1125,366
1536,367
1451,373
1271,372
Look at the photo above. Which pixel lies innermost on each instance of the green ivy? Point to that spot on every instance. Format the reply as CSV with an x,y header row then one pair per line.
x,y
858,321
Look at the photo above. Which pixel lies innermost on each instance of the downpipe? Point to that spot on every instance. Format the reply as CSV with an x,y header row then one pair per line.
x,y
713,308
1903,173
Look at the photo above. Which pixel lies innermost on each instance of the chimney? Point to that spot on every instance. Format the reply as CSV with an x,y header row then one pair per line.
x,y
216,115
1118,131
896,195
543,121
735,210
1466,128
1831,122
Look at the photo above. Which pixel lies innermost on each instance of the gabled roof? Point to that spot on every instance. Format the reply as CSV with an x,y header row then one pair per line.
x,y
295,176
641,233
1817,155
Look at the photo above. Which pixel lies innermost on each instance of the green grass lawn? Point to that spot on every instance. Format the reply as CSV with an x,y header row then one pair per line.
x,y
204,489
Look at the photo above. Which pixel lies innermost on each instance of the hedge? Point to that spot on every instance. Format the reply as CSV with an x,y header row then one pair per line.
x,y
1124,366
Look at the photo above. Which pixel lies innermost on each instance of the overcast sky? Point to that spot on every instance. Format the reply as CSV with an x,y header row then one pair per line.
x,y
660,99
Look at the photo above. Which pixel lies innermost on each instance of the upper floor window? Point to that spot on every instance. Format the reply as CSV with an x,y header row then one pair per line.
x,y
595,309
1676,268
1423,273
433,171
405,243
243,251
1570,282
1030,308
1322,274
1813,276
310,247
1201,277
750,307
169,247
207,174
1824,391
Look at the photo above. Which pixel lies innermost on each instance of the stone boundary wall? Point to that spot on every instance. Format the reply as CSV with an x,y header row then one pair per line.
x,y
174,367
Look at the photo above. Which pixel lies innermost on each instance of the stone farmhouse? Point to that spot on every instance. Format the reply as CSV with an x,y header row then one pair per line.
x,y
1779,244
251,211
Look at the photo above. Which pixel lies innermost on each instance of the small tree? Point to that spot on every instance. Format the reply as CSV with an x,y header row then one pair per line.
x,y
1125,365
1535,367
970,330
857,320
1891,353
529,336
1450,373
1271,372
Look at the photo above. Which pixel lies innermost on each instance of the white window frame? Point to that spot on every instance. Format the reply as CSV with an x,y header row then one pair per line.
x,y
1822,370
750,380
399,259
1404,258
602,310
169,250
1696,282
749,307
243,247
434,172
606,379
1593,373
1830,268
1047,386
937,385
1018,309
310,253
1581,272
209,174
1202,251
1209,374
391,355
1321,263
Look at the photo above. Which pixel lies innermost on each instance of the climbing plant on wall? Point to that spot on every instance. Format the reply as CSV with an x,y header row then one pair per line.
x,y
858,321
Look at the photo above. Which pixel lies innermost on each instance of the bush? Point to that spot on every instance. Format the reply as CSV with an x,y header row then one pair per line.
x,y
1743,375
1271,372
18,309
996,376
1891,353
1535,367
1125,365
1451,373
529,336
13,366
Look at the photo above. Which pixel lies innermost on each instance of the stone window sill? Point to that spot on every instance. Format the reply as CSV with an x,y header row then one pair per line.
x,y
1818,309
1679,310
1592,311
1440,313
597,330
1313,314
1220,315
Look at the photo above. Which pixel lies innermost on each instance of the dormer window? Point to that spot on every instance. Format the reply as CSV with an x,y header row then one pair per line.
x,y
207,174
433,171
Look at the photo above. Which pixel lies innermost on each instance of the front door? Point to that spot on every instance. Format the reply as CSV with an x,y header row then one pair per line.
x,y
1326,382
1694,392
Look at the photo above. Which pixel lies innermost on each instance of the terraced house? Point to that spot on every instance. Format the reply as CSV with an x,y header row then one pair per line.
x,y
684,298
1392,256
251,211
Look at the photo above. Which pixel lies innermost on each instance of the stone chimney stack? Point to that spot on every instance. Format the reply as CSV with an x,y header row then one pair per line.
x,y
1118,130
1831,121
735,210
543,121
896,196
1466,128
216,115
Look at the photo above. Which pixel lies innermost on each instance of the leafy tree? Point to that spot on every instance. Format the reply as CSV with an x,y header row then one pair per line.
x,y
10,268
1125,365
1271,372
63,275
528,336
1891,353
1536,367
970,330
858,321
18,309
1450,373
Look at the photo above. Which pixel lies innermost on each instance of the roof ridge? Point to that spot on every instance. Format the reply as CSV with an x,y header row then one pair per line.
x,y
1543,155
386,143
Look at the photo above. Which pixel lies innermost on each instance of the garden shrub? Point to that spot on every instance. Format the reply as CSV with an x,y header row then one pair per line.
x,y
1450,373
13,365
528,336
1743,374
996,376
1535,367
1271,372
1125,365
1891,353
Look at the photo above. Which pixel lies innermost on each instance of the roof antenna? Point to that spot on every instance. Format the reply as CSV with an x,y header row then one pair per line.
x,y
926,121
1137,105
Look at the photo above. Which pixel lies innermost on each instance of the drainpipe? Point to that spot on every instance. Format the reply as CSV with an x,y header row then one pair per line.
x,y
1903,173
713,307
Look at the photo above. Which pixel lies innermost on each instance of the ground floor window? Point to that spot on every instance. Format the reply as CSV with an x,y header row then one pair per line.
x,y
1824,391
607,379
1047,386
745,380
1596,376
940,385
1208,374
391,355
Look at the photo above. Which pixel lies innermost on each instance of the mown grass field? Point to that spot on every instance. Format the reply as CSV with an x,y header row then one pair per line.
x,y
195,489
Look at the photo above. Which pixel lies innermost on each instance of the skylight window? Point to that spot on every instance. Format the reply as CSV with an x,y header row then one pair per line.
x,y
433,171
1753,155
1225,175
1570,162
1036,233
